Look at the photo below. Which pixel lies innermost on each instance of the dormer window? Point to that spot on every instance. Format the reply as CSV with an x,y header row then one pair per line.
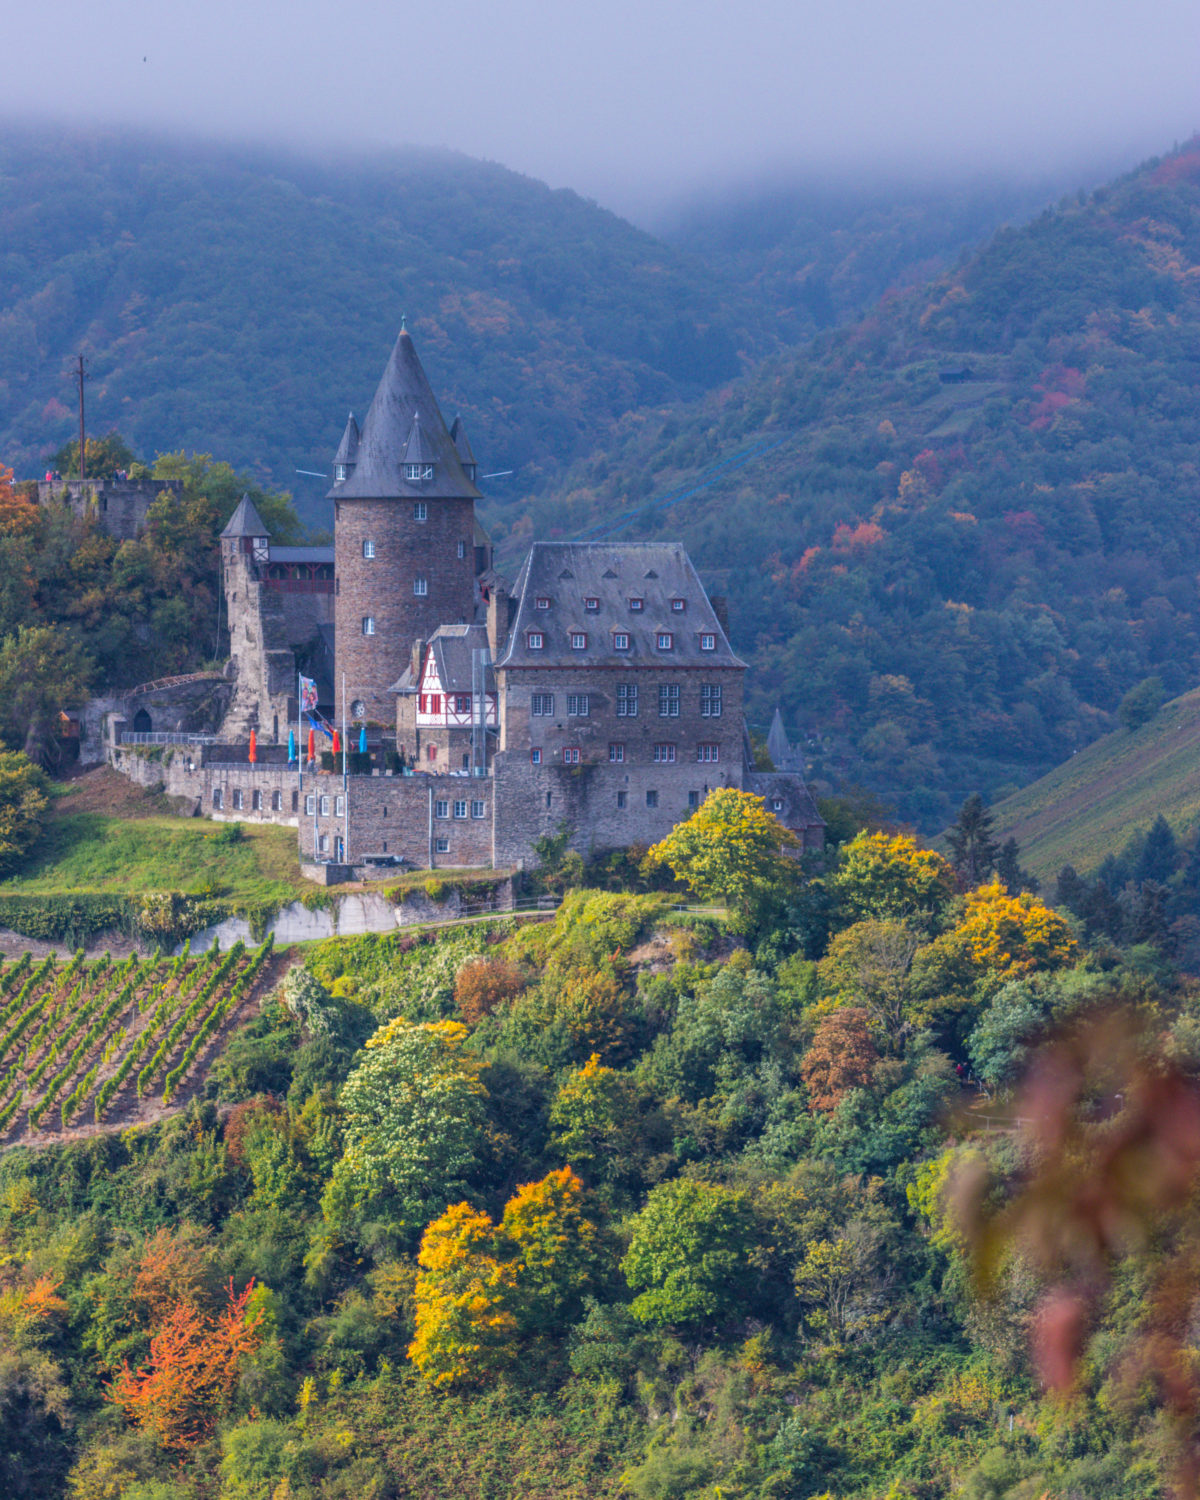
x,y
536,640
665,640
591,604
578,640
418,473
341,472
636,605
620,640
678,605
541,602
708,643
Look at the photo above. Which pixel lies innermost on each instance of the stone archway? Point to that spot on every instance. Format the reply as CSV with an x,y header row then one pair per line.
x,y
142,723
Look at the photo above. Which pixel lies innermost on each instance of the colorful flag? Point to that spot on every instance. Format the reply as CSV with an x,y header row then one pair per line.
x,y
253,747
308,695
312,745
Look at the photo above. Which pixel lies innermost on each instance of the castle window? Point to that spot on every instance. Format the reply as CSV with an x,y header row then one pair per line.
x,y
368,547
541,602
420,586
462,549
777,804
460,807
664,755
310,806
693,799
616,754
571,755
708,643
536,640
578,640
420,511
578,705
324,807
256,801
591,604
323,843
535,756
478,810
637,605
664,640
678,605
218,797
431,752
668,700
708,752
418,472
627,700
276,801
622,799
651,799
620,641
358,709
368,625
541,705
442,846
710,700
423,703
339,806
441,808
237,799
462,703
340,471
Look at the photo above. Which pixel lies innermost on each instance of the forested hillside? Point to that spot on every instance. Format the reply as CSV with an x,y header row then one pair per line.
x,y
965,526
238,302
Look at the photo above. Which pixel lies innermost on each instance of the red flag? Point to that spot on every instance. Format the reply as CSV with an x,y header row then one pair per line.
x,y
312,744
253,747
337,743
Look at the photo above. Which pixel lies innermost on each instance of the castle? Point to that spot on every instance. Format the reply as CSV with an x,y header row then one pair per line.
x,y
596,692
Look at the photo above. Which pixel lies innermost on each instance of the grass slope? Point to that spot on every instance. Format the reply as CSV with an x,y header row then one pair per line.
x,y
1088,807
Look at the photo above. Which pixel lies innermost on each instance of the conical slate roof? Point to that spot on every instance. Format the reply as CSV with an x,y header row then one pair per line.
x,y
418,449
348,447
404,396
783,757
245,521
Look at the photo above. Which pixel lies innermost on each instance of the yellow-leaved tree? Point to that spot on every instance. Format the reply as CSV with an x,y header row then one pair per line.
x,y
1014,934
731,849
889,876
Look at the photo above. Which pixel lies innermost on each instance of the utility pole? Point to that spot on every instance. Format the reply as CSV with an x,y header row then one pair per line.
x,y
80,377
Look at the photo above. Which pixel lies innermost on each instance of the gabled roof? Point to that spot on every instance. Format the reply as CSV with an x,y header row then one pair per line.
x,y
451,647
347,452
462,442
404,393
568,573
245,521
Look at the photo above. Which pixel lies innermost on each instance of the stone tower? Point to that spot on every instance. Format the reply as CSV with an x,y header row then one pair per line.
x,y
404,534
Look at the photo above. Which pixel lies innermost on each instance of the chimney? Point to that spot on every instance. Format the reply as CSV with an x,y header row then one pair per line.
x,y
418,657
497,619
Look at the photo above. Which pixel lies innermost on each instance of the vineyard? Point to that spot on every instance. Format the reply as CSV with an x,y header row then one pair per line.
x,y
94,1043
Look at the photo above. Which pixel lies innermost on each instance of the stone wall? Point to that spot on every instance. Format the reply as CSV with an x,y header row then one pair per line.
x,y
119,505
430,821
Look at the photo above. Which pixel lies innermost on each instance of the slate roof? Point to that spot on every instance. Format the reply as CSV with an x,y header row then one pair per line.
x,y
798,810
404,396
302,554
779,748
348,447
452,646
462,444
568,573
245,521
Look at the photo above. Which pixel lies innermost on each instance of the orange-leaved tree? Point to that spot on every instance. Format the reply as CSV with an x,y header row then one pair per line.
x,y
842,1057
18,514
195,1361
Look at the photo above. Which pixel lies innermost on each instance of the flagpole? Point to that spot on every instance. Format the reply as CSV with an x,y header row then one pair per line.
x,y
345,782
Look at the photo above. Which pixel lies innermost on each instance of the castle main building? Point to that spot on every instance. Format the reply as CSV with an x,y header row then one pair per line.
x,y
596,692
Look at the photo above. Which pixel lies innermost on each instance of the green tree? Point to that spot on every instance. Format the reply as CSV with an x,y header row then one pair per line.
x,y
973,847
43,671
414,1125
689,1254
890,876
730,849
23,805
1141,703
557,1247
105,455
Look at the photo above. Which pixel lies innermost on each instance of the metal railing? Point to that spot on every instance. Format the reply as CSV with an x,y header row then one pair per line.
x,y
161,737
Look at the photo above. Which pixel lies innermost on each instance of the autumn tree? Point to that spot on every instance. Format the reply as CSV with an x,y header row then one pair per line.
x,y
466,1329
483,985
192,1372
731,849
42,672
870,965
1014,935
557,1249
593,1119
889,876
842,1057
23,807
414,1123
18,513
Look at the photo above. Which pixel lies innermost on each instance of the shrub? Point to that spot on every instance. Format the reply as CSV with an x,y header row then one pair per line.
x,y
484,984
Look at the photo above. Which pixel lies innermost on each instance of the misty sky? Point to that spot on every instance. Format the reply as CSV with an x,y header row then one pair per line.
x,y
634,101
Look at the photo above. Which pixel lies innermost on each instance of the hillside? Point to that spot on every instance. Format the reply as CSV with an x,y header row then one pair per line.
x,y
956,533
1085,810
238,302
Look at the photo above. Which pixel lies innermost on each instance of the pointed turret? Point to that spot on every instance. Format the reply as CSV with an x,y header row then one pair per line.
x,y
462,446
245,521
403,400
419,452
346,457
778,747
